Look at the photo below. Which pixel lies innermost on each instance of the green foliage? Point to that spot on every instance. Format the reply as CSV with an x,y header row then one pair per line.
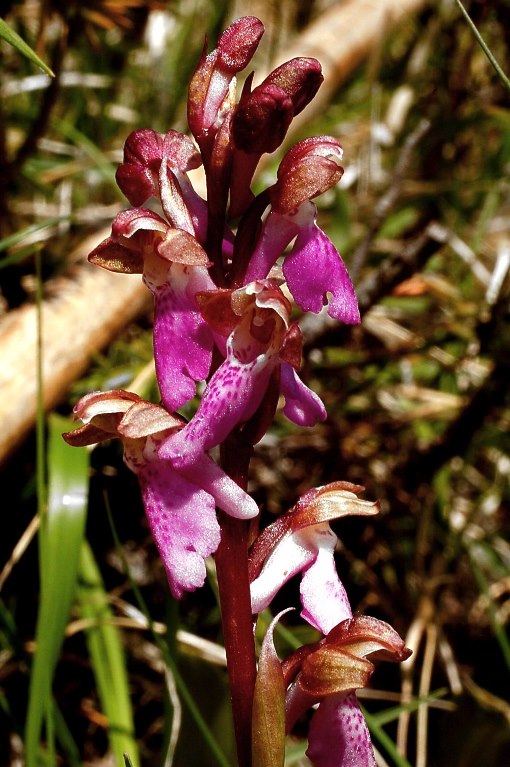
x,y
501,74
107,658
60,539
12,37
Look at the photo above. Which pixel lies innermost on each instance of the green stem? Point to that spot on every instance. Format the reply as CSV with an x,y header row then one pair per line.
x,y
234,591
485,48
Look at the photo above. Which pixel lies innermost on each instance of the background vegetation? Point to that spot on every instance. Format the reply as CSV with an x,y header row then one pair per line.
x,y
95,659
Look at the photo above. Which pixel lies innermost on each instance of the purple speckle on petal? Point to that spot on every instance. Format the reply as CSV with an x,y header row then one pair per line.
x,y
339,736
183,523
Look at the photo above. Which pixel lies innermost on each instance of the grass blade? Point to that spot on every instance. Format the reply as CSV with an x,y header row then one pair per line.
x,y
60,540
99,159
17,237
107,658
384,740
485,48
12,37
497,626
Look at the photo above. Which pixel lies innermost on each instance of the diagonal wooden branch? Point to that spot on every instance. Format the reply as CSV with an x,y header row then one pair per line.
x,y
341,39
88,308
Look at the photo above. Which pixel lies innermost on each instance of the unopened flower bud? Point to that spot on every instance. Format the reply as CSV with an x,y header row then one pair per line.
x,y
210,83
264,115
308,169
238,43
300,78
144,151
262,119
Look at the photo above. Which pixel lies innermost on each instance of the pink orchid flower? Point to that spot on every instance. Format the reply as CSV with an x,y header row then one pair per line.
x,y
313,268
260,342
302,541
174,267
156,165
329,674
180,505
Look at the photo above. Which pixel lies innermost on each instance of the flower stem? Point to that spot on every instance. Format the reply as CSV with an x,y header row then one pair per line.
x,y
234,590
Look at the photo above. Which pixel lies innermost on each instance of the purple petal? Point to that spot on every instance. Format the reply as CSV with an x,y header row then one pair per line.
x,y
276,234
128,222
172,201
323,596
137,182
338,735
182,339
308,169
232,396
196,206
302,405
290,556
183,524
313,269
227,493
137,175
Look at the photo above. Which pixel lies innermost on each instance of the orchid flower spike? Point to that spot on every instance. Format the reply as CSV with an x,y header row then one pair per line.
x,y
174,267
222,318
260,341
180,505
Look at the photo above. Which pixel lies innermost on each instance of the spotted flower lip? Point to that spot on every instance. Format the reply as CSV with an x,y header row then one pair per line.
x,y
180,506
257,317
329,673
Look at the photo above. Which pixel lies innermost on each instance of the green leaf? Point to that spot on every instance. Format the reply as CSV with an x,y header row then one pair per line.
x,y
108,659
60,540
268,726
391,714
12,37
